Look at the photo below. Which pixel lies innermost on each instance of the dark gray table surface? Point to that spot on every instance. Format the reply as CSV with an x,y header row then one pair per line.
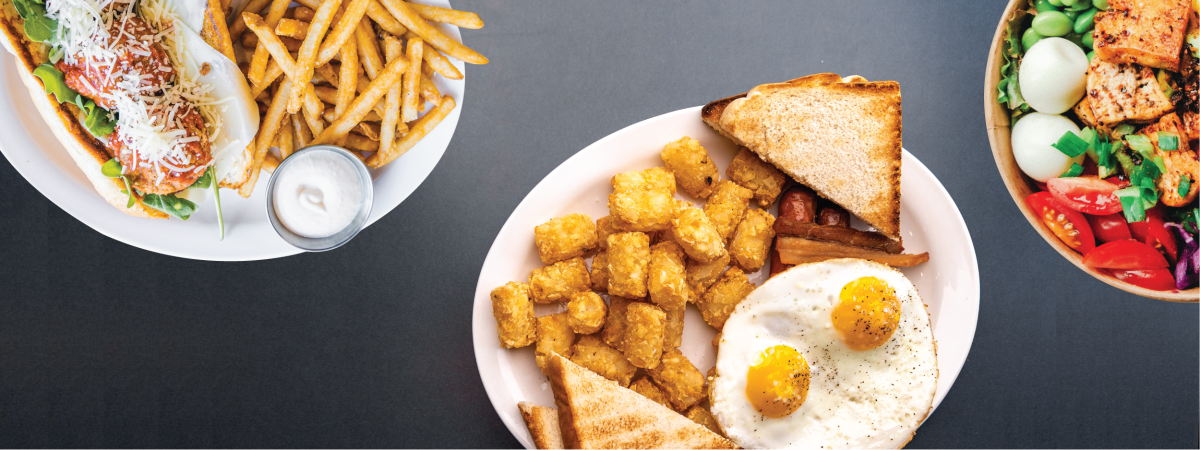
x,y
106,345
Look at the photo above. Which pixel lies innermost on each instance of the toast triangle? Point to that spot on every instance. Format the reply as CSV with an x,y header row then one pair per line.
x,y
594,412
839,136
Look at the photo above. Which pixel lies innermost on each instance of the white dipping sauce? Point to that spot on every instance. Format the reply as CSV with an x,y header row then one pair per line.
x,y
318,194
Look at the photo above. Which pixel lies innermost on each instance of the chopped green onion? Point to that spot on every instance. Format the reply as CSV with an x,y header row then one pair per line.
x,y
1123,129
1185,185
1074,171
1131,204
1071,145
1168,141
1139,143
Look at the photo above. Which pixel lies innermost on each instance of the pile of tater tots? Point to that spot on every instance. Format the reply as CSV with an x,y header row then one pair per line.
x,y
652,255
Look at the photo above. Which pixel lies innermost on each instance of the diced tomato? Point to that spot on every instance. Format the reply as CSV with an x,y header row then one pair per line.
x,y
1089,195
1109,227
1153,279
1125,255
1070,227
1153,231
1090,168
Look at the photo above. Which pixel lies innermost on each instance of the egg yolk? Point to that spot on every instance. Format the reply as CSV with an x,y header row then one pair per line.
x,y
867,314
777,383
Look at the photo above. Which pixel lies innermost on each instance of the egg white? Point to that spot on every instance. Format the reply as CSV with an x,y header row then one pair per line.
x,y
856,399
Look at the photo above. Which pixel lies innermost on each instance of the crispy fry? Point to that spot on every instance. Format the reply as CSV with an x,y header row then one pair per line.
x,y
270,163
330,115
270,44
306,59
292,28
391,104
274,71
375,11
328,74
258,63
239,25
286,144
304,13
409,18
363,104
462,19
342,31
416,132
368,53
266,134
437,61
348,78
359,142
300,131
370,130
412,82
313,108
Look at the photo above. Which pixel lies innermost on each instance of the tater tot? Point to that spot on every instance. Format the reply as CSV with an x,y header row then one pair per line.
x,y
556,282
596,356
750,171
647,388
628,264
604,228
701,276
667,282
642,200
565,237
752,241
673,328
514,315
718,302
614,325
696,234
599,272
726,207
679,379
553,335
586,312
703,417
644,325
694,171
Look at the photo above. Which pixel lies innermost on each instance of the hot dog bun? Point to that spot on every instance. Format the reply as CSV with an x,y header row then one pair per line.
x,y
65,119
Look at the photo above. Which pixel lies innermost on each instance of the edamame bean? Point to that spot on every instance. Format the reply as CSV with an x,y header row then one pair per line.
x,y
1051,23
1030,37
1055,2
1100,4
1086,20
1071,14
1088,39
1081,5
1090,55
1045,5
1067,2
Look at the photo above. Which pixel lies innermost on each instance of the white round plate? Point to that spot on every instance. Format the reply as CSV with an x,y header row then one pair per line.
x,y
929,222
33,150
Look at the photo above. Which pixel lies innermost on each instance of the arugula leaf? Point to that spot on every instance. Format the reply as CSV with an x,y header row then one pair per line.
x,y
1185,185
216,187
170,204
204,181
1070,144
97,121
112,169
38,27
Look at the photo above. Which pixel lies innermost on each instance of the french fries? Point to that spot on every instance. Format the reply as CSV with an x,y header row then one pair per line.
x,y
355,73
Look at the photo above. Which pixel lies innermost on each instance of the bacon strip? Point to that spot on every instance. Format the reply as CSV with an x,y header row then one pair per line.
x,y
839,234
795,250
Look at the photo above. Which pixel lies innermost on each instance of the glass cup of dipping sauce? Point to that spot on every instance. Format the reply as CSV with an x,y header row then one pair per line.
x,y
319,198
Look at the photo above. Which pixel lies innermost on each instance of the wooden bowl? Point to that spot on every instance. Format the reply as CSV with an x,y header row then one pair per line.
x,y
1020,186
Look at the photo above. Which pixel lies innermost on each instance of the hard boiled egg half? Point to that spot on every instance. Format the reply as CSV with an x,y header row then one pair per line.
x,y
1032,143
1053,75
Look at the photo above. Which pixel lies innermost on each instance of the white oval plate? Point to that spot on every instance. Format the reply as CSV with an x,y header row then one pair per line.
x,y
949,282
33,150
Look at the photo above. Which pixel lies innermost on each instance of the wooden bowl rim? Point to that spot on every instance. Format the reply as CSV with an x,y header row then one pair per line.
x,y
996,118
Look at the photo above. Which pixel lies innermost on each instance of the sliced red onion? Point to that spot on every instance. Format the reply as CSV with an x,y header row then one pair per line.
x,y
1187,268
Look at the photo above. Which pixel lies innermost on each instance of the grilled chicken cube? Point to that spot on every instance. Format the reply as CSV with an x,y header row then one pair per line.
x,y
1124,92
1179,163
1146,32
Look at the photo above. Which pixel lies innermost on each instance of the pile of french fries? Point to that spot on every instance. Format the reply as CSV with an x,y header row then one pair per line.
x,y
353,73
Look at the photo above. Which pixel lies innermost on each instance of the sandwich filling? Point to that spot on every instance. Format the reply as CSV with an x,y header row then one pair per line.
x,y
127,59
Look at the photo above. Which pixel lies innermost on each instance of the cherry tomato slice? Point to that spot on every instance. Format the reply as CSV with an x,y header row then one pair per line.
x,y
1109,227
1070,227
1153,231
1089,195
1153,279
1125,255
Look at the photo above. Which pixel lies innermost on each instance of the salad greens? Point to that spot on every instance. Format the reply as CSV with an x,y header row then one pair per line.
x,y
38,27
99,122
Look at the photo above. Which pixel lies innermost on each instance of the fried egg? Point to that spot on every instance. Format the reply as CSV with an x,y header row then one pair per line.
x,y
836,354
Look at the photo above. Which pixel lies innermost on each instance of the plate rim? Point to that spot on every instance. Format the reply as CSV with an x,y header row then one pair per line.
x,y
518,429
